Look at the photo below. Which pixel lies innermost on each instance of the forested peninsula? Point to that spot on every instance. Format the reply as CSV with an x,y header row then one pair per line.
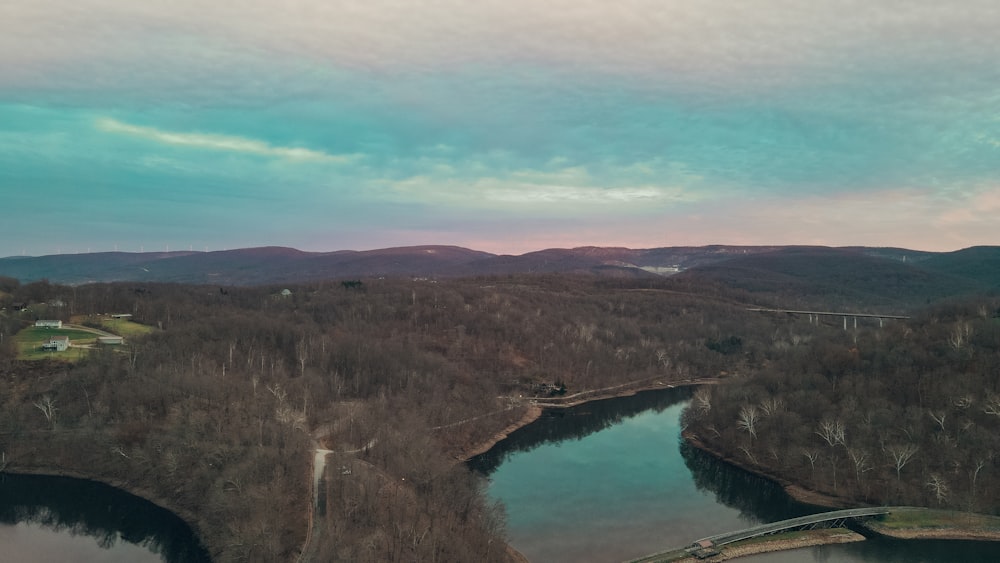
x,y
217,411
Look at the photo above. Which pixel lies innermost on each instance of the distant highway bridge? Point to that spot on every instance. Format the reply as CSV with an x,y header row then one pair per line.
x,y
818,314
708,546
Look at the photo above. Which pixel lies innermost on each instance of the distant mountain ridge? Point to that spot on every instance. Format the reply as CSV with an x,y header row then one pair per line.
x,y
854,277
845,270
263,265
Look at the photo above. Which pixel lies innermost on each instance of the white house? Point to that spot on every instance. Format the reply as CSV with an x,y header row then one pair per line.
x,y
48,324
57,343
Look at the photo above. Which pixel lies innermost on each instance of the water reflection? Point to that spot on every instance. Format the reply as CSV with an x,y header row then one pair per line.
x,y
79,507
758,499
612,480
576,423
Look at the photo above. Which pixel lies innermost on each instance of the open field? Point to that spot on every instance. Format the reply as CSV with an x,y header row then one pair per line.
x,y
29,342
121,327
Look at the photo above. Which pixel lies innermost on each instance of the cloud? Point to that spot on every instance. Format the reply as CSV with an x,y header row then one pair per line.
x,y
535,194
717,43
551,190
226,143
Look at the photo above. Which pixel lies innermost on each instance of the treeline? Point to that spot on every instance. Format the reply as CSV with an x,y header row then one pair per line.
x,y
218,412
907,414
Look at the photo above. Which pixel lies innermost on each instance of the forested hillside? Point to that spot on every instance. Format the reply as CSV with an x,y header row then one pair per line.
x,y
907,414
216,414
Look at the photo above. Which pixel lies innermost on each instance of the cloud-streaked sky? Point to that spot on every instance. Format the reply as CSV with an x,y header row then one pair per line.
x,y
501,125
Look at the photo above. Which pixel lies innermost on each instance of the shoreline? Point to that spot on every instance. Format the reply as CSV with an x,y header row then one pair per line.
x,y
934,533
537,406
768,544
794,490
812,538
929,523
533,413
187,516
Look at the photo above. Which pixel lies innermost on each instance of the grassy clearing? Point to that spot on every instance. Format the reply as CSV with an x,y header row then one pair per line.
x,y
125,327
938,519
29,343
120,327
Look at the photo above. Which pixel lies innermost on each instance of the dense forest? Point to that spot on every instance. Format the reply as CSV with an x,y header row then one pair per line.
x,y
216,414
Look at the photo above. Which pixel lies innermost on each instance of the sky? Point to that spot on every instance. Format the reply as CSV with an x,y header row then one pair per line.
x,y
500,125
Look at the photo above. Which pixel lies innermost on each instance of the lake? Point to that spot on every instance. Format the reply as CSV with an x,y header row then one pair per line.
x,y
64,520
612,480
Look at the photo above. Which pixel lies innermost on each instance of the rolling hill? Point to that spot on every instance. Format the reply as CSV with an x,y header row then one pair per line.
x,y
882,279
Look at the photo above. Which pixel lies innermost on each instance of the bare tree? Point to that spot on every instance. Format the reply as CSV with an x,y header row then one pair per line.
x,y
302,354
901,455
861,461
938,418
279,393
960,335
938,487
749,455
663,358
771,405
833,432
812,456
48,407
973,477
703,400
749,415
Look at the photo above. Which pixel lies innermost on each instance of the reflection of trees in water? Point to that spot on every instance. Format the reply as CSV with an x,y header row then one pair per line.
x,y
761,500
757,499
557,425
81,507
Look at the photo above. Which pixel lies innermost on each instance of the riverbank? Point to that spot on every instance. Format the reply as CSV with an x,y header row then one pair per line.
x,y
783,542
189,517
538,405
915,523
619,391
531,414
937,524
765,544
797,492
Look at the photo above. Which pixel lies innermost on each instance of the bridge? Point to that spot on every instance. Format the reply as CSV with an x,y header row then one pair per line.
x,y
818,314
706,547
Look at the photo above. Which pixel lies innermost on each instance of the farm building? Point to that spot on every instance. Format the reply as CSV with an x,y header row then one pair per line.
x,y
57,343
110,340
48,324
121,315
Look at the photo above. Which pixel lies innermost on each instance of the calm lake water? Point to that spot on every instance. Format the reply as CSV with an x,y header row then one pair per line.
x,y
62,520
612,480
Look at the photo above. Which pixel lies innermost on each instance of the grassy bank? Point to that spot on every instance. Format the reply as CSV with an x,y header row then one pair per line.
x,y
937,524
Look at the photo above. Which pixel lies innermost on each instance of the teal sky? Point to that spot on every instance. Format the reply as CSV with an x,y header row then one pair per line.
x,y
505,126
